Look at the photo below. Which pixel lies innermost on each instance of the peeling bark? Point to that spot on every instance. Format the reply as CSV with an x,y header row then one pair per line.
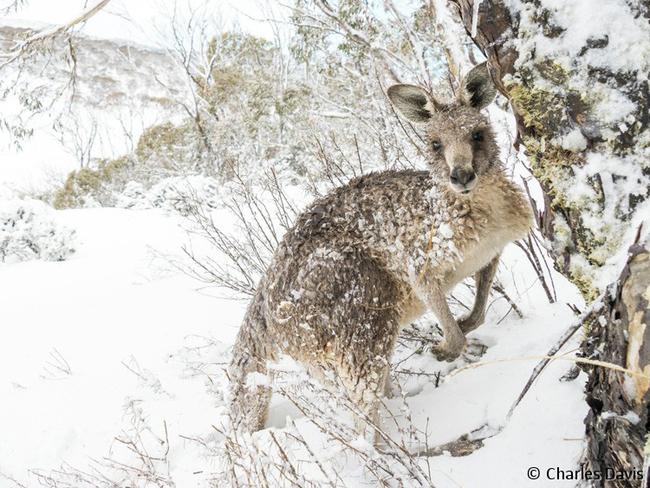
x,y
618,419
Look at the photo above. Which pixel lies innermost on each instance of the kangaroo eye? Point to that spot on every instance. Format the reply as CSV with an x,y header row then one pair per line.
x,y
477,136
436,145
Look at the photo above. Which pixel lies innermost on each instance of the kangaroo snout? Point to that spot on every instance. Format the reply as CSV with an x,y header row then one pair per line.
x,y
462,179
459,157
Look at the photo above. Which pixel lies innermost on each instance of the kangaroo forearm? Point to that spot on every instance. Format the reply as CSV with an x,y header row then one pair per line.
x,y
483,279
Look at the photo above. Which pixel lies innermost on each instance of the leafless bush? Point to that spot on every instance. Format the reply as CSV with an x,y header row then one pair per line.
x,y
237,257
536,256
141,459
285,458
56,367
79,137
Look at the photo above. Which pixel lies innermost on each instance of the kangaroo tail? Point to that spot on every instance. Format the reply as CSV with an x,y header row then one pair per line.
x,y
249,393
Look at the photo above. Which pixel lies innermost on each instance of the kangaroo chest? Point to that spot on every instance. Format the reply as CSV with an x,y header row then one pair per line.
x,y
475,255
488,228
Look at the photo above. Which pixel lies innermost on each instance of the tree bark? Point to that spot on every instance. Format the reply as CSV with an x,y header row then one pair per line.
x,y
590,156
618,418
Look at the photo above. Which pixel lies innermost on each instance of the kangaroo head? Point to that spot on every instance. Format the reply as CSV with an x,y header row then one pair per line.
x,y
460,139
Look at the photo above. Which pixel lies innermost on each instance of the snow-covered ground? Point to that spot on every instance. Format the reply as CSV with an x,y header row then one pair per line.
x,y
115,341
75,335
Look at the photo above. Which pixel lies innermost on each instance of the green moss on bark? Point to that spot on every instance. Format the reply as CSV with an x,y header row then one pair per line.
x,y
546,114
540,109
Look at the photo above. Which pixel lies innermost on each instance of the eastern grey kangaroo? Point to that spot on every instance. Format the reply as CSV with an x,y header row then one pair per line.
x,y
373,255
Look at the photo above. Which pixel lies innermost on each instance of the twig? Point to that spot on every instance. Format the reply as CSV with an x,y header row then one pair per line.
x,y
43,35
498,287
588,316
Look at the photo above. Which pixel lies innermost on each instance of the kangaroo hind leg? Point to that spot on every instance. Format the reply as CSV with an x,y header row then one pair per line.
x,y
366,325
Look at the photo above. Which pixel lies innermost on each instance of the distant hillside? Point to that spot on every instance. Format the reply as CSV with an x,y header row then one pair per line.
x,y
117,92
109,74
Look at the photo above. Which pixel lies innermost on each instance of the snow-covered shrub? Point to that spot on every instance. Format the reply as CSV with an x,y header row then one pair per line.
x,y
176,194
169,148
163,151
133,196
90,187
29,230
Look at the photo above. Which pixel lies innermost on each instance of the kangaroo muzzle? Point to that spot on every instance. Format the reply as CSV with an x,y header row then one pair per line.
x,y
462,179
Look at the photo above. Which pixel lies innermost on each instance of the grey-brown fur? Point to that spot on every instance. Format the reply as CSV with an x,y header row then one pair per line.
x,y
373,255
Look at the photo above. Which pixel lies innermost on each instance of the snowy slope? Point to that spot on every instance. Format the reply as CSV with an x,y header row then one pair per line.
x,y
115,342
110,304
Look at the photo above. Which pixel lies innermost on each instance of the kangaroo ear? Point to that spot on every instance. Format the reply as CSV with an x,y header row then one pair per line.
x,y
412,102
477,89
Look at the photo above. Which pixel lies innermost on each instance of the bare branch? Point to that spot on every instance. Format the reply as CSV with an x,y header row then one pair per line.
x,y
33,42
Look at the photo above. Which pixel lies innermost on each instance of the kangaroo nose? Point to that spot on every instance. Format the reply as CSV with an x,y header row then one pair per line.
x,y
462,176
